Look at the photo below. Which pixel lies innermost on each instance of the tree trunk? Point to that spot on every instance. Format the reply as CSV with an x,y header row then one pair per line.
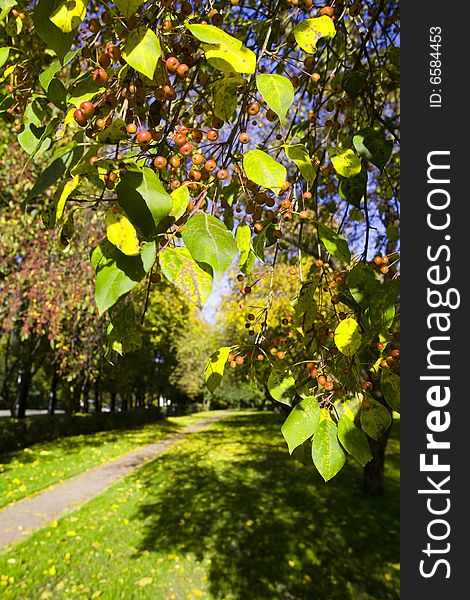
x,y
112,404
53,395
373,481
24,384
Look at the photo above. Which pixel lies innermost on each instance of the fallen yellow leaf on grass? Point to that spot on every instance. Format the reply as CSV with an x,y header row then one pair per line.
x,y
145,581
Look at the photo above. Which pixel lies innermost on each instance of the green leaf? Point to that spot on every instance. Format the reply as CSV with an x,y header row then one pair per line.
x,y
354,82
362,283
348,337
122,334
145,201
121,233
215,367
354,441
181,198
51,35
353,189
327,454
302,423
114,133
118,274
83,90
345,162
128,7
69,14
373,147
375,418
226,95
55,169
281,386
382,305
264,170
298,154
224,52
308,32
182,270
278,92
390,383
142,50
4,53
209,242
336,245
32,134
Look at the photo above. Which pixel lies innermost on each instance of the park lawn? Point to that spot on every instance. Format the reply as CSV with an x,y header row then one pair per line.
x,y
223,514
27,471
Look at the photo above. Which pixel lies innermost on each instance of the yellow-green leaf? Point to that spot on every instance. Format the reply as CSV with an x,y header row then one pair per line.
x,y
278,92
299,155
224,52
181,198
226,95
264,170
215,367
348,337
121,233
69,14
327,454
310,31
345,162
182,270
62,194
142,50
228,59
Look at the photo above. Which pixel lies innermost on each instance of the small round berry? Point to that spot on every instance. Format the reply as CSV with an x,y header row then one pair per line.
x,y
253,108
104,60
87,109
186,149
80,118
172,64
99,76
244,138
221,174
329,11
210,165
160,162
183,70
175,161
144,136
212,135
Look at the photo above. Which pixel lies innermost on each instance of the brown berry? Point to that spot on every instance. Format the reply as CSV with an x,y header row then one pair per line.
x,y
144,136
159,162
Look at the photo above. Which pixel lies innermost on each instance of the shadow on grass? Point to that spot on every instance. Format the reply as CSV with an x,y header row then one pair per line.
x,y
72,445
265,526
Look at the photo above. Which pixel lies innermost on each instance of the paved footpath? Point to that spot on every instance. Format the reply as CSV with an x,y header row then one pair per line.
x,y
29,514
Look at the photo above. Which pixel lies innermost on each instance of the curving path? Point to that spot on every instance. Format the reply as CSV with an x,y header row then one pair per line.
x,y
30,514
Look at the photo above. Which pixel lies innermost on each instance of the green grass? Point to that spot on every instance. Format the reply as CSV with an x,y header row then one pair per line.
x,y
224,514
27,471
